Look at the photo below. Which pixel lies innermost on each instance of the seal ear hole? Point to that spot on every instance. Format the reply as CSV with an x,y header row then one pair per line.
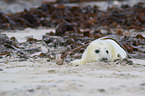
x,y
97,51
107,51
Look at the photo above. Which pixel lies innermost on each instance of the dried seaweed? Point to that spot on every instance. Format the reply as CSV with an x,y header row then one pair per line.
x,y
69,22
50,15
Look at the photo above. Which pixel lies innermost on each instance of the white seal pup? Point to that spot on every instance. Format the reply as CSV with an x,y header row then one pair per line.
x,y
102,49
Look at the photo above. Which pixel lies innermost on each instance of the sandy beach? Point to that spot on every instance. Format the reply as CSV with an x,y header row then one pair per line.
x,y
64,28
43,78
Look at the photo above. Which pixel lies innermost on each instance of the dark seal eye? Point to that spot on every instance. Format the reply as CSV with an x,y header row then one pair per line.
x,y
97,51
107,51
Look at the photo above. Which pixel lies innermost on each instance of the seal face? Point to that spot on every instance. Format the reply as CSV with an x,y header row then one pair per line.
x,y
96,51
102,50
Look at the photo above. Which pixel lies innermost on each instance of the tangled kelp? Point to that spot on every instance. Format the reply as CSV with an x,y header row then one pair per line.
x,y
68,47
75,28
51,15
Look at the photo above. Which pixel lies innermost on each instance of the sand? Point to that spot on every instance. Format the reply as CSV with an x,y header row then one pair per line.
x,y
46,78
42,78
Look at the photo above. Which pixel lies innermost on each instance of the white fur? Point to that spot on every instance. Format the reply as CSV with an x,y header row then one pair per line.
x,y
103,45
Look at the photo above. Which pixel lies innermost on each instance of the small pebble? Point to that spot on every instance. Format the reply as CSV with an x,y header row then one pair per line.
x,y
31,90
142,84
38,87
51,71
52,85
80,85
1,70
60,81
101,90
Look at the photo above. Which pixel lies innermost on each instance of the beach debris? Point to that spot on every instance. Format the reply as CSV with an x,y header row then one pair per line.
x,y
51,15
75,27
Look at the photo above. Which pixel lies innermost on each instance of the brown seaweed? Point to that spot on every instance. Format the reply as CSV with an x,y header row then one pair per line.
x,y
50,15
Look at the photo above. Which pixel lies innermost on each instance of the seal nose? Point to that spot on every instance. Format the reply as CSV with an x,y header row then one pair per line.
x,y
104,59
